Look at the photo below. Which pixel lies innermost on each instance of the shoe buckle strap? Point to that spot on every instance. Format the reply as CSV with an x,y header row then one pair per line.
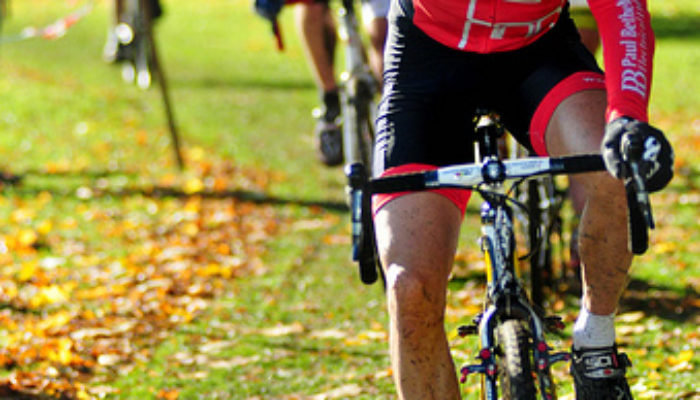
x,y
604,364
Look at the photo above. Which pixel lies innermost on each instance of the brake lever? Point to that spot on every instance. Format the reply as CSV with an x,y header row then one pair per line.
x,y
641,218
641,194
363,245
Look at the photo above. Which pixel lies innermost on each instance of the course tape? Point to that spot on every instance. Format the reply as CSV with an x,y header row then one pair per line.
x,y
52,31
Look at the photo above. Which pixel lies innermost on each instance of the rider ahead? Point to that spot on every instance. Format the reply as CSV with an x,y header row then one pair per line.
x,y
524,60
317,30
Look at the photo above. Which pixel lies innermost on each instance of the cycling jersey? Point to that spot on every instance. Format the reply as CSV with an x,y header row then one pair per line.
x,y
488,26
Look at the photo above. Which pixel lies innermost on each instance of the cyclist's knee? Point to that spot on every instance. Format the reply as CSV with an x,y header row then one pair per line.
x,y
603,186
410,292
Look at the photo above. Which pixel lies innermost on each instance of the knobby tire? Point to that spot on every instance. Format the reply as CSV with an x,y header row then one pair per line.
x,y
515,371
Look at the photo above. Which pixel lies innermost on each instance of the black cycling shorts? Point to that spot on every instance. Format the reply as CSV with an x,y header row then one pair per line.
x,y
432,91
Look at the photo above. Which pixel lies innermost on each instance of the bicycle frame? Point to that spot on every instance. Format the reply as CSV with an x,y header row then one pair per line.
x,y
542,219
505,297
132,32
359,88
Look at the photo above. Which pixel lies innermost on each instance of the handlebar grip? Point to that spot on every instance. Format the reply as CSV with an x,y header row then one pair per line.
x,y
402,183
364,248
579,163
637,223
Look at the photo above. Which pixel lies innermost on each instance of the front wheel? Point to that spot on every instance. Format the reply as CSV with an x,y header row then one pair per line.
x,y
515,371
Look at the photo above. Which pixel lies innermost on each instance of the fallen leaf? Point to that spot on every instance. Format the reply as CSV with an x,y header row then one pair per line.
x,y
350,390
283,330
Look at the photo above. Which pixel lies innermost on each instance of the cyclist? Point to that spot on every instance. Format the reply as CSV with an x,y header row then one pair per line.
x,y
524,60
318,32
113,49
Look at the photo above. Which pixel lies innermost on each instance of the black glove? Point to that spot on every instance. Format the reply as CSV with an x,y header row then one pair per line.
x,y
656,164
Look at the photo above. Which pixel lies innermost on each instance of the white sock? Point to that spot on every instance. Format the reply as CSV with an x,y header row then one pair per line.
x,y
593,330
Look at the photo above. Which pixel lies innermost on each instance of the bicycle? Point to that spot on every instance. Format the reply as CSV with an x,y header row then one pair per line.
x,y
543,228
359,89
514,354
134,47
137,50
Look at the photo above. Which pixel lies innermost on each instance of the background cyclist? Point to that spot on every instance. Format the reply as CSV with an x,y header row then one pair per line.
x,y
525,61
317,29
114,50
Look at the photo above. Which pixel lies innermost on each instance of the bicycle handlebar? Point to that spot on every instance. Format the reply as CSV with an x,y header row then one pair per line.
x,y
468,176
492,170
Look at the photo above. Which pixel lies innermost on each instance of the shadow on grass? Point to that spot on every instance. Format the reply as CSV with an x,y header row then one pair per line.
x,y
322,348
250,196
216,82
661,301
239,194
677,26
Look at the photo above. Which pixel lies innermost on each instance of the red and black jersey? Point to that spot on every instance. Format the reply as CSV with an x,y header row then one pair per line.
x,y
488,26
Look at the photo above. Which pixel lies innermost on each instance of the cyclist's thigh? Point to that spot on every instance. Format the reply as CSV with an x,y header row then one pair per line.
x,y
559,66
578,124
422,117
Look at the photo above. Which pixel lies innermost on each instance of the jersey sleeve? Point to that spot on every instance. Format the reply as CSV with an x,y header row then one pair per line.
x,y
628,51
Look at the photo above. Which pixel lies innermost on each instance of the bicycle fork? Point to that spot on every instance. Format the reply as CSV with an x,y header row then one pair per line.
x,y
507,301
488,365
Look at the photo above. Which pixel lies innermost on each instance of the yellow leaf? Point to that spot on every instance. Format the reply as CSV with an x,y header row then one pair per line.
x,y
44,197
652,364
49,295
194,204
654,376
27,271
56,320
44,227
193,185
683,357
196,154
27,237
59,351
22,215
83,395
190,229
665,247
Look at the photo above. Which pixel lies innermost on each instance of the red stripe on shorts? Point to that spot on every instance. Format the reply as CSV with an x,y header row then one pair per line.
x,y
575,83
459,197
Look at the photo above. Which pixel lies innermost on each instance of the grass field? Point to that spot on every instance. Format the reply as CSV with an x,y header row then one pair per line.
x,y
123,277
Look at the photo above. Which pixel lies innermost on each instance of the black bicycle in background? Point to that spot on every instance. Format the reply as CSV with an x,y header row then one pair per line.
x,y
545,227
514,358
130,43
359,90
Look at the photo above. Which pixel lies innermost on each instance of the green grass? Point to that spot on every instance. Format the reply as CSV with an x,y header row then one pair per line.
x,y
300,324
